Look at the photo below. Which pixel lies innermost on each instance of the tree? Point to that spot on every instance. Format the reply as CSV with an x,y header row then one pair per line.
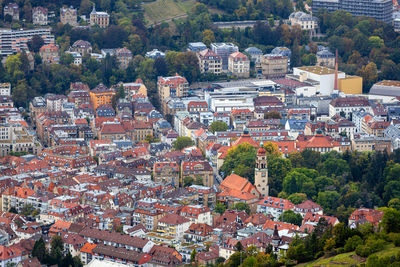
x,y
369,73
328,200
376,42
297,198
290,216
20,94
239,246
394,203
241,160
391,221
27,210
193,256
181,142
35,43
295,59
208,37
39,250
242,206
218,126
220,208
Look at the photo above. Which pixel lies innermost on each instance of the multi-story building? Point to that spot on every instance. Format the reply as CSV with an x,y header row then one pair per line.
x,y
224,50
166,172
55,102
209,62
101,95
5,89
15,138
199,171
82,47
239,65
124,56
14,41
155,53
69,16
347,105
274,206
196,47
173,225
303,20
274,66
147,216
39,16
102,19
12,10
369,143
325,58
379,9
255,54
50,54
175,86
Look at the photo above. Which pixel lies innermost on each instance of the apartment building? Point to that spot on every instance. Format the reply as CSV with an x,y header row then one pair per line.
x,y
14,41
124,56
303,20
15,138
69,15
50,54
224,50
239,65
102,19
5,89
274,66
326,58
101,95
379,9
12,10
209,62
175,86
40,16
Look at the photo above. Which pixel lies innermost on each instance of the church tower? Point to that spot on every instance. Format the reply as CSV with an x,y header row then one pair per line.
x,y
261,171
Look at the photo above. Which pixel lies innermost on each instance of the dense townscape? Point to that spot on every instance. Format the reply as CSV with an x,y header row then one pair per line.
x,y
237,133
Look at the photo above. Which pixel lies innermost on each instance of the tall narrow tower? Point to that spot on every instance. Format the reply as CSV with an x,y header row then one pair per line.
x,y
261,171
336,71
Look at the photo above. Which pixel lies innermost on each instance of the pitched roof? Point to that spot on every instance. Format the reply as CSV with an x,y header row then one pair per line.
x,y
173,219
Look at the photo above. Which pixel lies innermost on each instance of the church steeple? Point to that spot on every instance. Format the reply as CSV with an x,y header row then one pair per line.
x,y
261,171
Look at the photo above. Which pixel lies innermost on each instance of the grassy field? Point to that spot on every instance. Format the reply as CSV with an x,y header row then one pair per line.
x,y
166,10
348,259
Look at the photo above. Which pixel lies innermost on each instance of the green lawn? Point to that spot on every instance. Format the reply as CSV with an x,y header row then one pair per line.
x,y
165,10
344,259
350,258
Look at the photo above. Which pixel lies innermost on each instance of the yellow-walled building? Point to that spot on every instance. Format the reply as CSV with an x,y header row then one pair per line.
x,y
101,95
351,85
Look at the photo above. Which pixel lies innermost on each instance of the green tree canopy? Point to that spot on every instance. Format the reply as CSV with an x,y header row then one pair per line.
x,y
181,142
218,126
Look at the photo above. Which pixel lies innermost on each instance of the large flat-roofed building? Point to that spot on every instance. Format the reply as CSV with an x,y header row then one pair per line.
x,y
379,9
386,88
330,5
351,85
14,41
323,75
196,47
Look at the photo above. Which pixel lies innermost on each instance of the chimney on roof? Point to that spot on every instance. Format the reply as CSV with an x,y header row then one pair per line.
x,y
336,71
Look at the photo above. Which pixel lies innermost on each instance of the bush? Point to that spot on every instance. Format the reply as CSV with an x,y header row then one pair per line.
x,y
372,246
363,251
352,243
395,238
